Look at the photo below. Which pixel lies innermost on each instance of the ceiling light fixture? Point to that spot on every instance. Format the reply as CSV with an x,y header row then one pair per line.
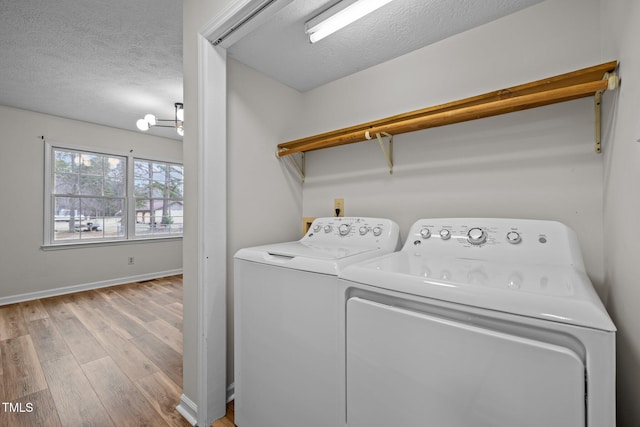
x,y
177,122
338,16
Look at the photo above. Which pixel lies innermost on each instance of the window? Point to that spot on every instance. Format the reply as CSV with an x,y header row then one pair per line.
x,y
158,197
94,196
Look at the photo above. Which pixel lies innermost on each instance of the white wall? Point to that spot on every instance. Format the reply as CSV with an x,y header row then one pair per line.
x,y
24,267
622,201
538,163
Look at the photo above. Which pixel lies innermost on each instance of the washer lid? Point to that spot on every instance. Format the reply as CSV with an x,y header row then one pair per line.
x,y
317,258
314,251
555,293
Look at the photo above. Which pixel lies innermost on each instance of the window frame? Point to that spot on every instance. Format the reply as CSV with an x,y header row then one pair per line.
x,y
134,198
129,236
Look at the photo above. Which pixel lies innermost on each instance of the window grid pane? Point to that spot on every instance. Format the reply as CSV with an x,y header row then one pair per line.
x,y
65,183
158,198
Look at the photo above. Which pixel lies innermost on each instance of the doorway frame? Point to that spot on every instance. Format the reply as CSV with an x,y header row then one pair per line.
x,y
211,227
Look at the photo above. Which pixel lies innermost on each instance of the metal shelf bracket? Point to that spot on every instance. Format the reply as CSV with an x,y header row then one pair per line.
x,y
613,81
598,121
300,168
388,154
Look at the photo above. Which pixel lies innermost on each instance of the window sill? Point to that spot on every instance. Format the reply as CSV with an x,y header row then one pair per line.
x,y
92,244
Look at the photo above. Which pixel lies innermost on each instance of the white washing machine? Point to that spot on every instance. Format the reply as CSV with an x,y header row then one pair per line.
x,y
287,322
478,322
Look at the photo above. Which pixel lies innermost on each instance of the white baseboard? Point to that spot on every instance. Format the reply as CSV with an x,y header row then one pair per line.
x,y
188,409
85,287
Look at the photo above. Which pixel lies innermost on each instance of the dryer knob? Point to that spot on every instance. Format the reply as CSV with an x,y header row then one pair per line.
x,y
425,233
344,229
377,231
513,237
328,228
445,234
477,236
363,230
316,228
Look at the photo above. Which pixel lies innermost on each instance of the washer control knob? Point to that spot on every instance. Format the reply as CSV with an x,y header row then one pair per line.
x,y
477,236
425,233
344,229
317,228
513,237
514,281
377,231
445,234
328,228
363,230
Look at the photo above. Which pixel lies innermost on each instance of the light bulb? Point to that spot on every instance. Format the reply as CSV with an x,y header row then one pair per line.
x,y
151,119
180,130
142,124
180,114
329,22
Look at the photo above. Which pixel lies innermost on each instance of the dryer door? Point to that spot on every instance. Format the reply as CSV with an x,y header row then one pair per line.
x,y
411,369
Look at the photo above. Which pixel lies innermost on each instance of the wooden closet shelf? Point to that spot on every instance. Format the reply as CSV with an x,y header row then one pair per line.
x,y
565,87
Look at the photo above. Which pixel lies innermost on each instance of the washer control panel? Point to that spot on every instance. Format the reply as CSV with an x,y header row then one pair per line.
x,y
354,231
496,239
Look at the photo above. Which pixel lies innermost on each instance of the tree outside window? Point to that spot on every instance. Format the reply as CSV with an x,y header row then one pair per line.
x,y
159,189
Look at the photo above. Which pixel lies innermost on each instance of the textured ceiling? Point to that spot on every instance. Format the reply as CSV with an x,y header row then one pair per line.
x,y
281,49
105,62
111,62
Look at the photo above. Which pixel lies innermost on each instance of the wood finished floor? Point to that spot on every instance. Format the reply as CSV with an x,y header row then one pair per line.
x,y
107,357
228,420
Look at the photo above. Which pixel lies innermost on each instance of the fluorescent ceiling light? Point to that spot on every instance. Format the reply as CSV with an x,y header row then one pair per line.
x,y
335,18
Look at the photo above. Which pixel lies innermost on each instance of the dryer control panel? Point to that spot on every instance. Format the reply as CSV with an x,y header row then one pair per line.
x,y
356,231
496,239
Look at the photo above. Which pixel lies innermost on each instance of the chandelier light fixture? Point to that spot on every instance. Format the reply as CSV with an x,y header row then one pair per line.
x,y
177,122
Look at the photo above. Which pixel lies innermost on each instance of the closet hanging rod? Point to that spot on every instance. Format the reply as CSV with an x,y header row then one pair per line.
x,y
561,88
459,115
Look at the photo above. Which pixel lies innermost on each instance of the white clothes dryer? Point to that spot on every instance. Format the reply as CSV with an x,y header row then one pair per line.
x,y
478,322
287,324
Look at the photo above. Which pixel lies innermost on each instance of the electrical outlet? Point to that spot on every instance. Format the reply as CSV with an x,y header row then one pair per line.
x,y
306,224
338,207
132,260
